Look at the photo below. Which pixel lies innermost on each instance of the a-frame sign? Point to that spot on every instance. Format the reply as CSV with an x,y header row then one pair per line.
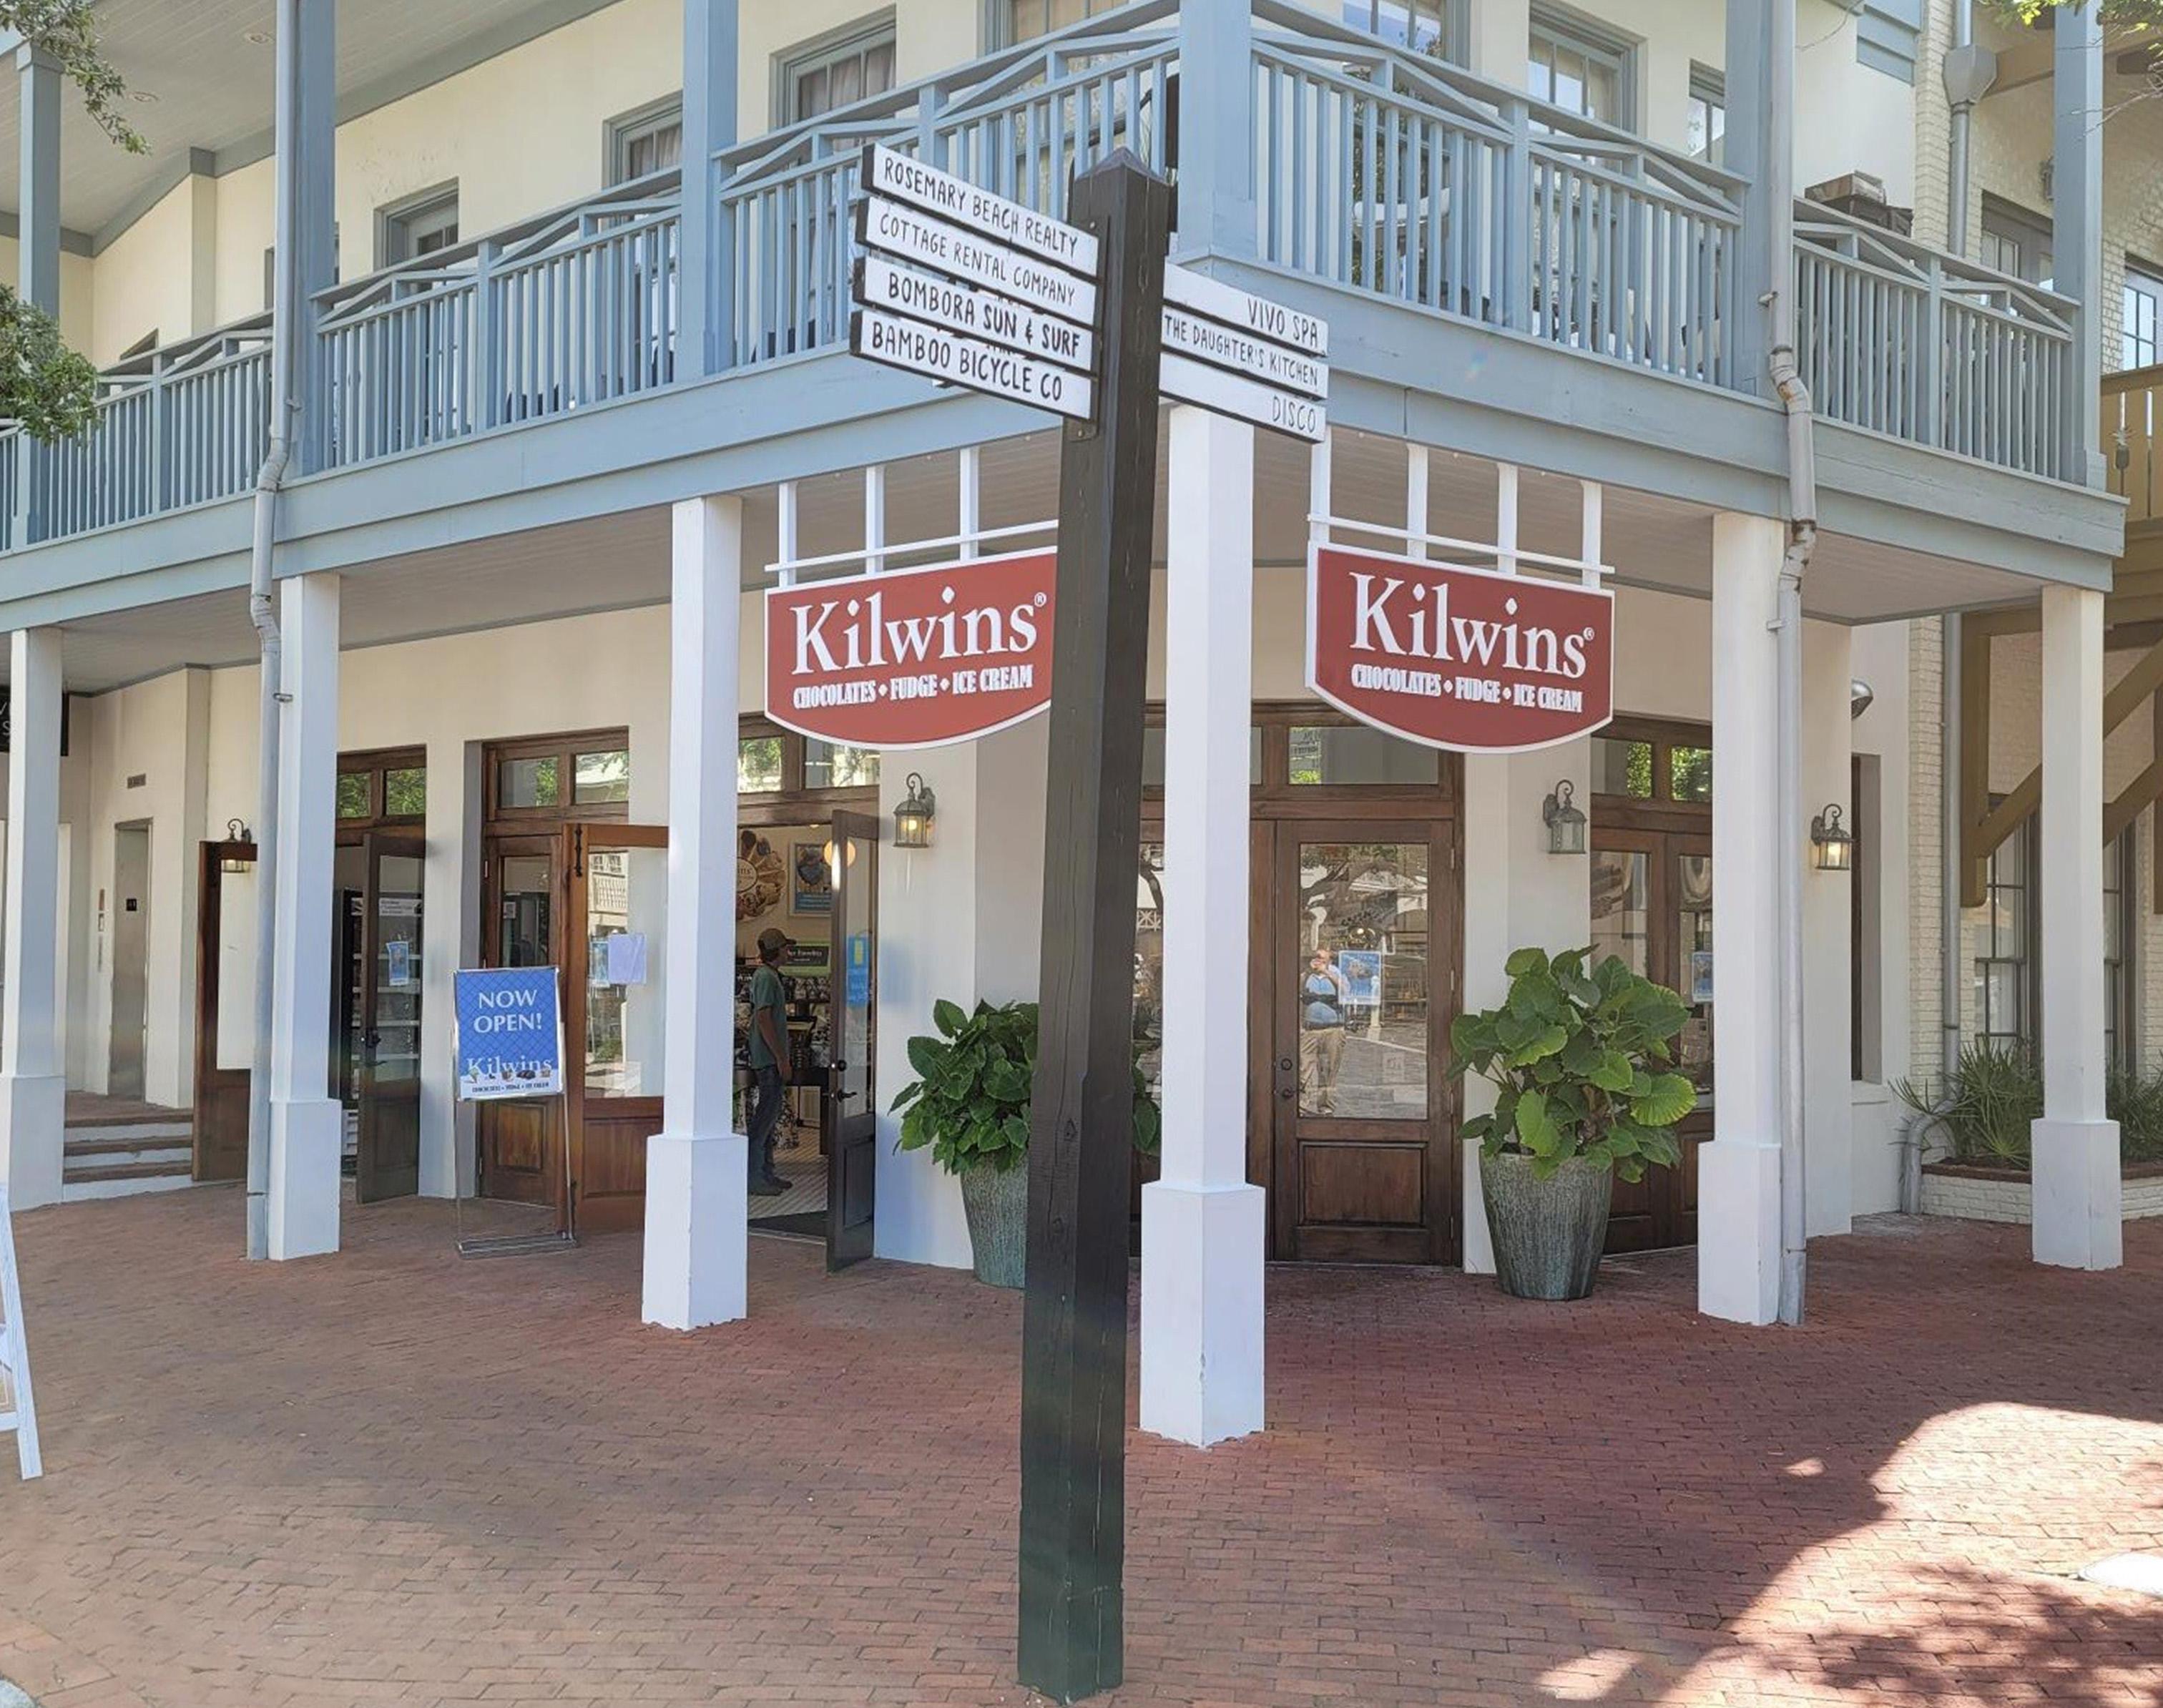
x,y
18,1410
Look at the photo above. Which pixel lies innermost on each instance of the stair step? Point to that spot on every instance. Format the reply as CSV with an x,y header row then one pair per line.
x,y
182,1145
98,1132
124,1170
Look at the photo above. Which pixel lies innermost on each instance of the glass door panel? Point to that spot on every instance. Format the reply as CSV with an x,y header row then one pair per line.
x,y
851,1107
387,1070
1621,909
1361,990
522,1141
615,937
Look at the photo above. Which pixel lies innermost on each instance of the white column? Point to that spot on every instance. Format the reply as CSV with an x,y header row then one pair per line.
x,y
1829,901
307,1124
2077,1192
1738,1254
1202,1225
33,1084
697,1182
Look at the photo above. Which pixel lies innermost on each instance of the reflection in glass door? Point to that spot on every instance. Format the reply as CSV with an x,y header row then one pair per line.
x,y
851,1106
387,1067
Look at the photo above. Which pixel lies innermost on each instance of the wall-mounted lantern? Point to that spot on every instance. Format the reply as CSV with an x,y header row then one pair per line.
x,y
912,818
236,830
1832,844
1565,822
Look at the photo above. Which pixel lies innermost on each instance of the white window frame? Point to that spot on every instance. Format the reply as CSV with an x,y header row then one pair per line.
x,y
1577,33
1450,22
2142,284
999,21
2009,222
1708,88
800,59
626,130
399,224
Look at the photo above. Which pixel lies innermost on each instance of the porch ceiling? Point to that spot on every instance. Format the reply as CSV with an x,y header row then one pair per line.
x,y
612,562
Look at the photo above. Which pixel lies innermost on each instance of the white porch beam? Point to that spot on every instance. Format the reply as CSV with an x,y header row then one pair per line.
x,y
2078,1196
1202,1225
307,1124
1738,1269
697,1166
32,1081
705,311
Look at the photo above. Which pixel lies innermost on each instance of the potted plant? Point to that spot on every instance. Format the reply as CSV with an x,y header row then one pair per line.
x,y
1583,1093
970,1103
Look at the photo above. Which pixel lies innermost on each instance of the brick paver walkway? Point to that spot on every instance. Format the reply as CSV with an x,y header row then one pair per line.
x,y
395,1477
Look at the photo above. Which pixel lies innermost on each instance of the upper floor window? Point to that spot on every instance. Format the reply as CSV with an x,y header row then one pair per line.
x,y
2003,1004
2016,241
831,70
1577,65
1023,20
418,225
1432,27
648,139
2119,936
1706,122
2143,336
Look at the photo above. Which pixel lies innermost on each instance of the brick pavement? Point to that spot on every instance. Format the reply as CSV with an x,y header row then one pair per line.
x,y
393,1477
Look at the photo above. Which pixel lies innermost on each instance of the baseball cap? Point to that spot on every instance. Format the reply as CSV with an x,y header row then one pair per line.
x,y
774,940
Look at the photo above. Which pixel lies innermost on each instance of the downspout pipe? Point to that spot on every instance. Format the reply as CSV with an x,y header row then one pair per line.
x,y
262,612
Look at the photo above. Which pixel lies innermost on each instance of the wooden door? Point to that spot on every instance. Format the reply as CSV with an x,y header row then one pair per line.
x,y
849,1108
1364,1157
386,1073
224,1009
521,1140
1652,905
615,989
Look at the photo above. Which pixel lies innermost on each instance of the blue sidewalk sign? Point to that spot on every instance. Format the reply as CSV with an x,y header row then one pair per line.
x,y
509,1033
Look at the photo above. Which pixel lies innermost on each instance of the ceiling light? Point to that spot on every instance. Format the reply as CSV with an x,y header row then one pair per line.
x,y
260,37
143,96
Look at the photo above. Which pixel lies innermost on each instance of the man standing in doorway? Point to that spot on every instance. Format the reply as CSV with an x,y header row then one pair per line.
x,y
769,1059
1323,993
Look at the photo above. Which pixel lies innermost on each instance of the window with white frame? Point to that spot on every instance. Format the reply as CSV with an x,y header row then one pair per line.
x,y
2004,949
2142,338
649,139
832,70
1706,122
2016,241
1014,21
420,225
2118,940
1578,67
1432,27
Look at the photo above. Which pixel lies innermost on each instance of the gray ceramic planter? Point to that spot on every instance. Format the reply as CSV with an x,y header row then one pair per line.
x,y
1548,1233
996,1201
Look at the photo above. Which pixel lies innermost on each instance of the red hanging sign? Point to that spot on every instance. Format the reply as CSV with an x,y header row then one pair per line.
x,y
913,657
1466,659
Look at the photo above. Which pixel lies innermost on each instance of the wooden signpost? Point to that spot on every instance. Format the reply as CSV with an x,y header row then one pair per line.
x,y
1087,321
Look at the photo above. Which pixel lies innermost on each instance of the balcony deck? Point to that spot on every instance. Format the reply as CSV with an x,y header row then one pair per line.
x,y
1383,177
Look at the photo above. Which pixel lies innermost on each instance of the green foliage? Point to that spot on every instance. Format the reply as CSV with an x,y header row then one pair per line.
x,y
66,31
45,385
2120,17
1579,1063
970,1100
1996,1092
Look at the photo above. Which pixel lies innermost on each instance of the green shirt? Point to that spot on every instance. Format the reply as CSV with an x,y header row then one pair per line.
x,y
766,992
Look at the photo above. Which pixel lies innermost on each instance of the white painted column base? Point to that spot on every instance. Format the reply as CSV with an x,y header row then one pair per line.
x,y
697,1240
2079,1194
1738,1231
307,1146
32,1137
1479,1237
1203,1249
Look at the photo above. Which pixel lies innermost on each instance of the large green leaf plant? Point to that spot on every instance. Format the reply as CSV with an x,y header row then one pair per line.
x,y
1581,1063
970,1100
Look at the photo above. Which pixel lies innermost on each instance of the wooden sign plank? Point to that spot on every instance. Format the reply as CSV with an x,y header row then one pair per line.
x,y
1240,353
900,177
1189,381
1213,299
983,314
958,360
909,234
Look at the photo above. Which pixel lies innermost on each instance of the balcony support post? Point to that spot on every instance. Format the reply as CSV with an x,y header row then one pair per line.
x,y
1761,80
705,256
1217,127
38,251
32,1081
2076,228
306,226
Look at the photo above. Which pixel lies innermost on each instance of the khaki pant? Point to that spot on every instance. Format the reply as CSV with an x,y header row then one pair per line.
x,y
1321,1049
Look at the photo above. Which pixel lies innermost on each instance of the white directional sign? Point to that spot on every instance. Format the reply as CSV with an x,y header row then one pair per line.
x,y
902,290
1272,364
960,360
898,178
891,228
1220,391
1213,299
1244,356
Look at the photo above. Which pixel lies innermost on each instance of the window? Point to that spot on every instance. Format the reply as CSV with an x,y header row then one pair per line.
x,y
1867,922
1580,68
773,761
405,792
827,766
2016,241
1023,20
418,225
649,140
377,789
2003,1000
848,65
536,782
601,778
1435,26
1706,124
1353,753
758,765
579,776
270,272
2118,938
356,794
2142,347
1623,768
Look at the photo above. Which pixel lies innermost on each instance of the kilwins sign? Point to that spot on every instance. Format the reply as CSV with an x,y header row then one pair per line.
x,y
913,657
1466,659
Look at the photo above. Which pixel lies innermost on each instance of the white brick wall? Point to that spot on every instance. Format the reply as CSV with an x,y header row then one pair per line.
x,y
1975,1200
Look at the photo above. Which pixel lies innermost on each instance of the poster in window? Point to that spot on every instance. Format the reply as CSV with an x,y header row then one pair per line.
x,y
811,879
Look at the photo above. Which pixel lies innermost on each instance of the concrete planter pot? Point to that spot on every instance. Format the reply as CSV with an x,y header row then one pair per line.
x,y
1548,1234
996,1202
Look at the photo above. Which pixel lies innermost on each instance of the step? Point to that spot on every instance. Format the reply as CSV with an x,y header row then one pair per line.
x,y
124,1181
131,1132
145,1146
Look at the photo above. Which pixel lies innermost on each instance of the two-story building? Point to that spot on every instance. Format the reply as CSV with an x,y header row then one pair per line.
x,y
549,302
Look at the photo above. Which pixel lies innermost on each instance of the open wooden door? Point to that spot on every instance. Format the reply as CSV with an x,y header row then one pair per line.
x,y
225,949
387,1073
615,993
849,1108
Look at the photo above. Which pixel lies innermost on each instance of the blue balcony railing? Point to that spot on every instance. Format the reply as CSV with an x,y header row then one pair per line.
x,y
1377,170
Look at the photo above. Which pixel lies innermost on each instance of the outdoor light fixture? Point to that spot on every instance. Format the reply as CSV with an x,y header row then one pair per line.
x,y
1832,844
1860,696
912,818
236,831
1565,822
